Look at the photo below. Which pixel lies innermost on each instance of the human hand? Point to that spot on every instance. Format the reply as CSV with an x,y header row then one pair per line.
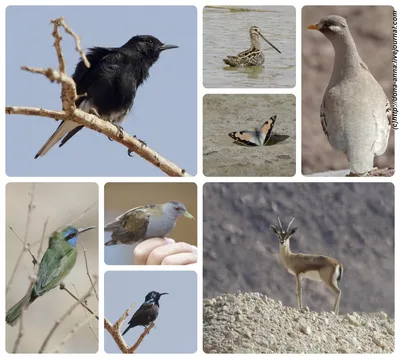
x,y
164,251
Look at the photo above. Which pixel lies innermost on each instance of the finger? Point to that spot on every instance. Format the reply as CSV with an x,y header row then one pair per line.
x,y
180,259
143,250
158,254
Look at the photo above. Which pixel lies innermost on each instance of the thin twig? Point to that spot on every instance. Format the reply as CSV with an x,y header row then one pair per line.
x,y
115,332
65,315
61,22
84,212
74,330
87,315
88,272
27,245
63,287
33,279
28,220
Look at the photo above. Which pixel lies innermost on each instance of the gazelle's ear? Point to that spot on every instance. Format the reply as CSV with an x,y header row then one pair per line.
x,y
293,231
273,229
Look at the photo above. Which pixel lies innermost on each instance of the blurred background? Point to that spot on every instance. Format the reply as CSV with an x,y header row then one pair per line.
x,y
62,204
120,197
175,329
371,28
352,222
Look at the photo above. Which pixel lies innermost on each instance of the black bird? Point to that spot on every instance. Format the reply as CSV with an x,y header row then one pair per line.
x,y
110,83
147,313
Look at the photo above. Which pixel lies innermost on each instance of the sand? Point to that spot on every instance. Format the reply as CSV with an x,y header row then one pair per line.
x,y
228,113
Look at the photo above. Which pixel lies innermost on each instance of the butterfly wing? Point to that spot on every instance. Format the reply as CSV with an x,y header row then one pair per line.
x,y
247,138
265,130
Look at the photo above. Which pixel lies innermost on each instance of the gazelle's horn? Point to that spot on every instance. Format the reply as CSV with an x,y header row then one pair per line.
x,y
290,223
280,223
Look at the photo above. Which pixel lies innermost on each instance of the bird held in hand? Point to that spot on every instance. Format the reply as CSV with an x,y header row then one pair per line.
x,y
56,264
355,113
108,87
147,313
149,221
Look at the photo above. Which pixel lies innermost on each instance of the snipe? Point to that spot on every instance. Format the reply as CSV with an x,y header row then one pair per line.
x,y
254,55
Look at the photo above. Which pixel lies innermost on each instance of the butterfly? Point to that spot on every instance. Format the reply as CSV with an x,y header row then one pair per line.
x,y
258,137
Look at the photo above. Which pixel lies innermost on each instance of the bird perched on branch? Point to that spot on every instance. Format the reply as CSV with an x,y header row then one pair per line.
x,y
147,313
141,223
56,264
108,87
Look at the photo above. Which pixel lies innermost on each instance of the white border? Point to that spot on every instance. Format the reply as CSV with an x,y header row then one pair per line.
x,y
200,179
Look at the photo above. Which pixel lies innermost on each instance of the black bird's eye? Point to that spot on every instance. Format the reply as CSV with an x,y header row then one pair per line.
x,y
150,41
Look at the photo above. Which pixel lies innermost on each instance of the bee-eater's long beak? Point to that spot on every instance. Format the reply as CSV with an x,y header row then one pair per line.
x,y
167,47
269,43
188,215
81,230
313,27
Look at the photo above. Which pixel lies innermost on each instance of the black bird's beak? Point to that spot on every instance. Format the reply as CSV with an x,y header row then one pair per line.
x,y
81,230
163,294
167,47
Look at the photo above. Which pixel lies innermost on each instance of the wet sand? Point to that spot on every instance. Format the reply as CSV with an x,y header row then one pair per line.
x,y
228,113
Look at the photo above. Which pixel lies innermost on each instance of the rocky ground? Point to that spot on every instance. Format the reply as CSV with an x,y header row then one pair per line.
x,y
254,323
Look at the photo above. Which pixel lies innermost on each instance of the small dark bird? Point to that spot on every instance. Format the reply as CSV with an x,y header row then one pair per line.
x,y
108,87
147,313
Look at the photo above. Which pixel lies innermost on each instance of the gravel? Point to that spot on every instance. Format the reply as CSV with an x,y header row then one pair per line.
x,y
255,323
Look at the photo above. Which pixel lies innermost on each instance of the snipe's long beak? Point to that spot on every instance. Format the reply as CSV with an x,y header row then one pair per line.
x,y
81,230
270,43
313,27
188,215
167,47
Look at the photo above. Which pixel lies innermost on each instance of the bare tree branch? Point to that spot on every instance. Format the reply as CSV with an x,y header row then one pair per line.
x,y
83,304
31,206
26,245
115,332
65,315
71,113
33,279
88,272
74,330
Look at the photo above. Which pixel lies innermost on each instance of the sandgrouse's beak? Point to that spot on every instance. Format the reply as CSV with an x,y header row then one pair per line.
x,y
81,230
167,47
313,27
188,215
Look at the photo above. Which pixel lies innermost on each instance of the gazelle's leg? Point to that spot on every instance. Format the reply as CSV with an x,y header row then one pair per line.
x,y
299,297
332,285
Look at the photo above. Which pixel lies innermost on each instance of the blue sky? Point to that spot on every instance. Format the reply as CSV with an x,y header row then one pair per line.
x,y
176,325
165,109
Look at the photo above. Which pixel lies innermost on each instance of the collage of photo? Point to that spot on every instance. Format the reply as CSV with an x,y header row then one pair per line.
x,y
276,233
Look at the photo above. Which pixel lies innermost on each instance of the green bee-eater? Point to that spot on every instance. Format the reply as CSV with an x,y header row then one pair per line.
x,y
56,264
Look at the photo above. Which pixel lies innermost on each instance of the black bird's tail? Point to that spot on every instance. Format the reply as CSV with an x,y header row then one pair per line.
x,y
124,332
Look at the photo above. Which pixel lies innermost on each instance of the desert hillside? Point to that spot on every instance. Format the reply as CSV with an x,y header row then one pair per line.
x,y
254,323
352,222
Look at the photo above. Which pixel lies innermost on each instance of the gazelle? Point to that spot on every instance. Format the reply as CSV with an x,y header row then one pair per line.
x,y
311,266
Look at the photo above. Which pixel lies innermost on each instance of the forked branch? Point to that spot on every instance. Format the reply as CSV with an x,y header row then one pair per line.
x,y
115,332
71,113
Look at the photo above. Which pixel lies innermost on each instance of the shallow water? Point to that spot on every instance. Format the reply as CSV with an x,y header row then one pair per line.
x,y
227,33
